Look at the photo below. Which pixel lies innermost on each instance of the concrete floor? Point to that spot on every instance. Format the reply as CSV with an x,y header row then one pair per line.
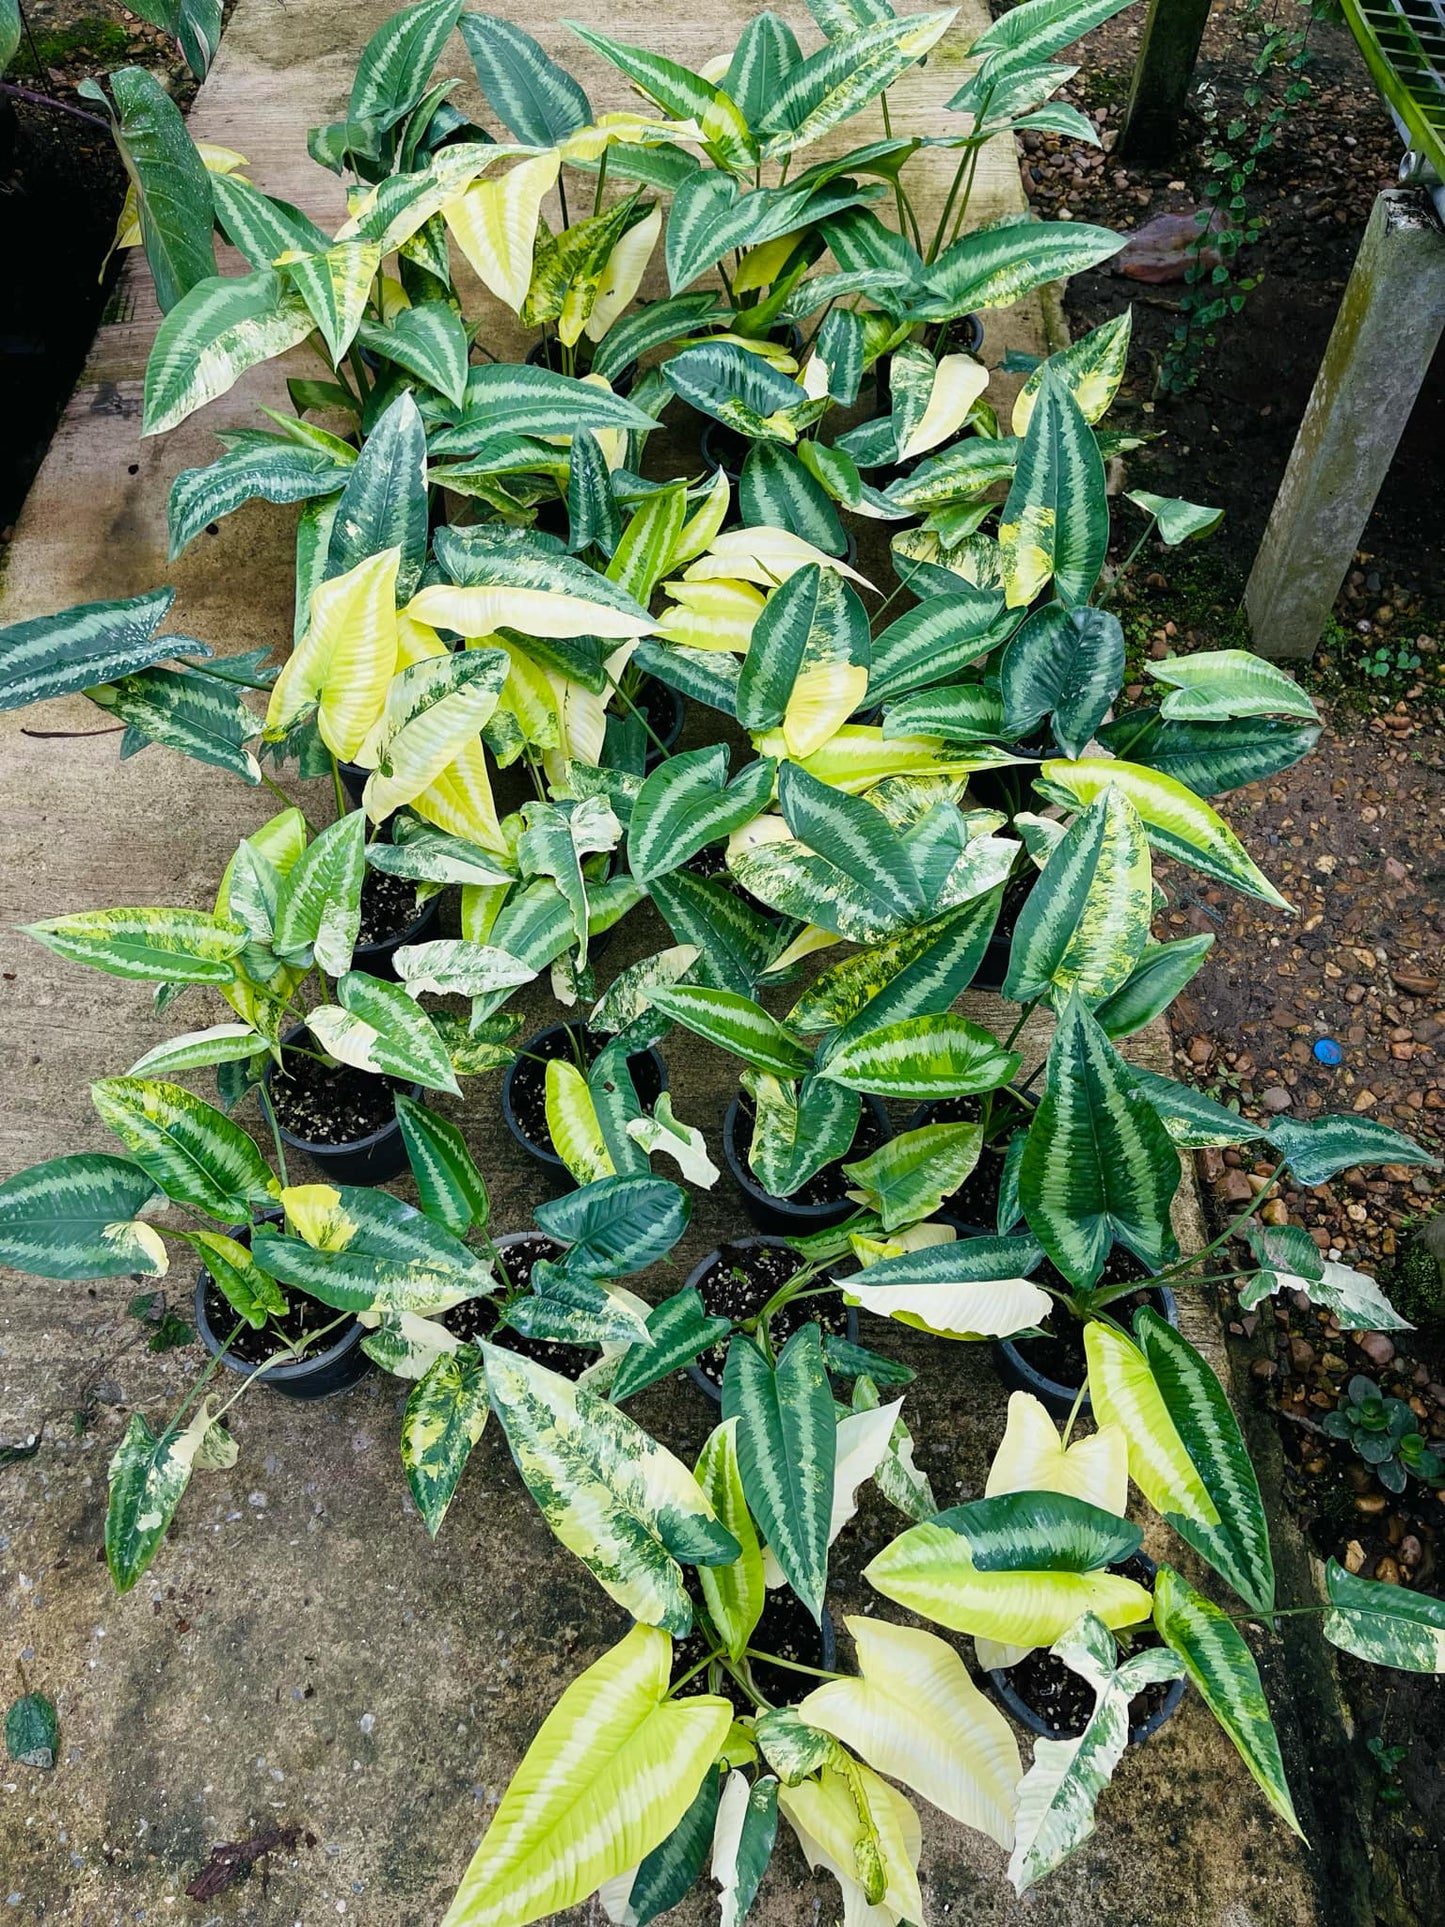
x,y
300,1653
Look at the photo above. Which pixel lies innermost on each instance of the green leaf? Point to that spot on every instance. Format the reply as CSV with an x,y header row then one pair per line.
x,y
277,472
735,1593
734,1024
619,1226
997,265
171,184
195,1154
429,341
1067,663
611,1772
1084,925
798,1129
1178,822
428,855
1099,1164
1152,985
200,715
1091,368
907,1179
742,391
672,1868
922,1058
964,1288
1209,758
147,1477
1384,1625
812,627
94,643
9,31
249,1291
786,1445
1195,1122
395,64
1218,684
1291,1261
659,322
216,331
1039,28
376,1026
73,1217
1238,1547
530,94
775,489
378,1253
159,946
1318,1149
687,803
261,227
614,1497
1221,1665
848,860
450,1187
1041,1532
384,503
735,941
743,1843
836,82
940,637
445,1415
318,914
683,94
1185,522
677,1331
1055,524
32,1730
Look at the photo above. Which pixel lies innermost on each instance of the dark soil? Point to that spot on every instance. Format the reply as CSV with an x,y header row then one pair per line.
x,y
320,1105
786,1628
61,189
830,1185
476,1318
1064,1700
740,1283
660,709
388,907
1227,440
529,1085
252,1346
710,861
1059,1354
976,1199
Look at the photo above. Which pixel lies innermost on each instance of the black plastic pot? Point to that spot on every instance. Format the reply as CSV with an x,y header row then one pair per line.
x,y
541,355
694,1283
1018,1375
366,1160
771,1213
993,966
379,959
316,1376
649,1075
568,1361
1001,1682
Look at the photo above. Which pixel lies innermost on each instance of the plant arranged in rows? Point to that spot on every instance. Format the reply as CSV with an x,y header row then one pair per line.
x,y
507,607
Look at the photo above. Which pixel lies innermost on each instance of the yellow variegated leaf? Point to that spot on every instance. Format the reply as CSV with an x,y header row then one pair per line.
x,y
478,610
916,1237
622,276
343,664
313,1211
735,1593
821,701
1032,1458
581,727
1092,368
929,1571
917,1716
416,641
996,1309
764,555
637,130
459,799
811,938
612,1770
760,266
701,527
833,1833
573,1125
494,223
1123,1392
959,382
716,614
857,756
432,713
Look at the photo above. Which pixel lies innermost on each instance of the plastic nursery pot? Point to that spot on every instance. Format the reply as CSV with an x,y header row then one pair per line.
x,y
370,1156
823,1200
318,1375
768,1263
476,1318
547,353
524,1085
1053,1702
1052,1367
378,959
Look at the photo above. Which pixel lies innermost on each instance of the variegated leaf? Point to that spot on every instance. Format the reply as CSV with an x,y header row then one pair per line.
x,y
1055,523
786,1446
376,1026
940,1055
445,1415
195,1154
1384,1625
735,1592
1085,923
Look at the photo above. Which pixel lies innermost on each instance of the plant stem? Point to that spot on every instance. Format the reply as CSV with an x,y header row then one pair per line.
x,y
562,196
954,185
1075,1409
289,1354
601,183
1124,567
276,790
693,1671
1186,1265
265,1097
792,1665
336,785
657,741
58,106
201,1383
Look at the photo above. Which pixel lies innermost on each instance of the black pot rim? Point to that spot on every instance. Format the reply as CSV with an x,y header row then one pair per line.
x,y
694,1283
1000,1679
306,1368
544,1153
1060,1398
352,1145
804,1214
428,915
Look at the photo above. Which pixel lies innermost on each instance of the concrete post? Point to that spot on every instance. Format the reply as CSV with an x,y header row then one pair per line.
x,y
1378,355
1168,49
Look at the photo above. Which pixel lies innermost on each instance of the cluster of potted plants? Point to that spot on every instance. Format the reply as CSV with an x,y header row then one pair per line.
x,y
503,616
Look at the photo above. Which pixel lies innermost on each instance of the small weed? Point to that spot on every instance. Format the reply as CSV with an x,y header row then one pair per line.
x,y
1388,1761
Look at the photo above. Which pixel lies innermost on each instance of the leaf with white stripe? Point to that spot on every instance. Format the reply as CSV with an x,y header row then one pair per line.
x,y
687,803
343,665
1384,1625
80,648
1316,1149
919,971
197,1049
169,181
1085,923
1221,1665
1098,1164
1125,1392
940,1055
965,1288
160,946
1162,971
844,76
1065,663
318,912
1055,523
79,1217
798,1129
216,331
786,1445
532,96
735,1593
747,1826
735,1024
614,1497
1217,684
451,1189
908,1178
376,1026
998,264
195,1154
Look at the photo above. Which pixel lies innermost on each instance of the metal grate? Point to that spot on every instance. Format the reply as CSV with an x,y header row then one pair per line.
x,y
1403,42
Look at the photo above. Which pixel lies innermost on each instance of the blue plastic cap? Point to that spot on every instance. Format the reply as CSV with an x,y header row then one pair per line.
x,y
1328,1051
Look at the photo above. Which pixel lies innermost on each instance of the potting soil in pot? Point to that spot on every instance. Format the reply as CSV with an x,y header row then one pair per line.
x,y
322,1104
742,1281
251,1346
388,906
786,1628
1063,1699
476,1318
830,1184
1059,1354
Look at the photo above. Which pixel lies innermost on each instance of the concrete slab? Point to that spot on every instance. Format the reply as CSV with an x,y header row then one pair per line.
x,y
300,1653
